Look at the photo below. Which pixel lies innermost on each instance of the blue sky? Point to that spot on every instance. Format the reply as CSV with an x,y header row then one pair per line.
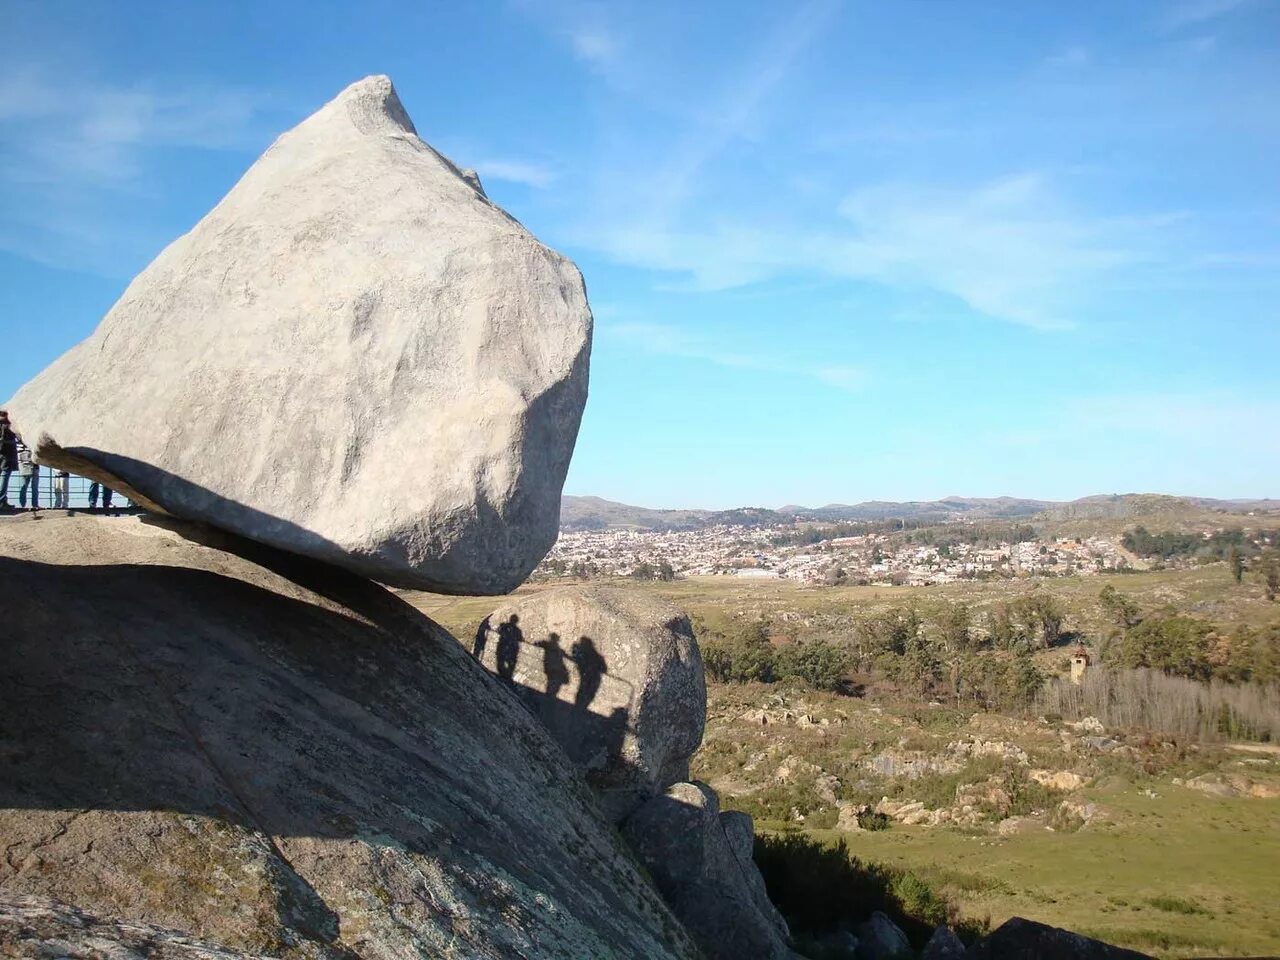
x,y
837,250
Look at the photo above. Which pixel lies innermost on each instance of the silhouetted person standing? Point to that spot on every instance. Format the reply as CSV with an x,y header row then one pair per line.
x,y
509,637
554,667
481,640
591,668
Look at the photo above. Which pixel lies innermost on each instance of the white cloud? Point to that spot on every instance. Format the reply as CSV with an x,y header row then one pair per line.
x,y
1192,12
529,173
592,44
74,151
1011,248
672,341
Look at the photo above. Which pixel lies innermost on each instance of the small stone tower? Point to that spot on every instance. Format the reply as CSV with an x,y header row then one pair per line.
x,y
1079,663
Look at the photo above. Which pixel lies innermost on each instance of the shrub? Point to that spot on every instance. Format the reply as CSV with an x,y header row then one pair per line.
x,y
820,887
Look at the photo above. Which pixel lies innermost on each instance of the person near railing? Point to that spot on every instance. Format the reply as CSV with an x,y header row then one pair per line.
x,y
94,489
8,456
29,471
62,490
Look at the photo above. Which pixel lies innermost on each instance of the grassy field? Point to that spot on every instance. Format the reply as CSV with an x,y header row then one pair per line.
x,y
798,610
1180,874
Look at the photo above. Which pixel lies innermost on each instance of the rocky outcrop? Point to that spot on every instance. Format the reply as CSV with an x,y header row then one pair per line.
x,y
879,938
943,945
615,675
252,748
355,356
681,839
39,927
1019,939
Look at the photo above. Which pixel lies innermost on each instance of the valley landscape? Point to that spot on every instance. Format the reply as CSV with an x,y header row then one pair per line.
x,y
1155,829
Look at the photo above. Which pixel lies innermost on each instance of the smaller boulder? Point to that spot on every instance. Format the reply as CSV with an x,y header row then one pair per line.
x,y
881,939
1019,939
615,675
700,861
943,945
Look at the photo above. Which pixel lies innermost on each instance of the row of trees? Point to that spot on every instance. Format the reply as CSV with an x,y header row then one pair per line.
x,y
1186,646
1152,700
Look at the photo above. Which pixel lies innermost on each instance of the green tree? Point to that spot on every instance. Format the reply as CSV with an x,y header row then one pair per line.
x,y
1236,561
1174,644
819,664
1022,681
1269,573
955,628
1119,609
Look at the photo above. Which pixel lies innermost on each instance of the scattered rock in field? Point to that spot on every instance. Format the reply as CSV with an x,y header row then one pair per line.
x,y
1063,780
681,839
1231,785
1089,725
1086,813
943,945
825,786
989,794
1104,744
355,356
794,768
615,675
913,766
880,939
988,748
1019,939
848,818
1011,826
1212,784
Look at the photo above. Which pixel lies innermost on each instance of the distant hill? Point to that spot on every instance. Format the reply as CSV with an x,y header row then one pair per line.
x,y
947,508
596,513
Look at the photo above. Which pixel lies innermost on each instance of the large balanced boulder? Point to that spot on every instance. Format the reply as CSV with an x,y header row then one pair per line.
x,y
615,675
681,839
355,356
266,752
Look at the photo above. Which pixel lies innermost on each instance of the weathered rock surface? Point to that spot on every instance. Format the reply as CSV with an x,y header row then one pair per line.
x,y
879,938
943,945
615,675
355,356
1019,939
39,927
266,752
681,839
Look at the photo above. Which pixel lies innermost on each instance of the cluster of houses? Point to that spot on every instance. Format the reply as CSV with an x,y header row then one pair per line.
x,y
870,558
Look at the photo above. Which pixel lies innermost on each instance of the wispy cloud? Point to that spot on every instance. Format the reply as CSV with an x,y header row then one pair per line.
x,y
592,43
1011,249
530,173
56,129
1195,12
672,341
72,148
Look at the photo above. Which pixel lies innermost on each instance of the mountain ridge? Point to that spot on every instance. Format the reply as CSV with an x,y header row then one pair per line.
x,y
598,513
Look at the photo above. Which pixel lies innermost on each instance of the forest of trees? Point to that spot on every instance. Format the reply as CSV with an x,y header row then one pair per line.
x,y
1213,546
1228,682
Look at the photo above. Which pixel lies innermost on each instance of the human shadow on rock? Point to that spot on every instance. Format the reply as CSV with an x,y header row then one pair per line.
x,y
560,688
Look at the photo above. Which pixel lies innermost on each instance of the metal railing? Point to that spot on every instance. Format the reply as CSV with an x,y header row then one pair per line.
x,y
45,485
